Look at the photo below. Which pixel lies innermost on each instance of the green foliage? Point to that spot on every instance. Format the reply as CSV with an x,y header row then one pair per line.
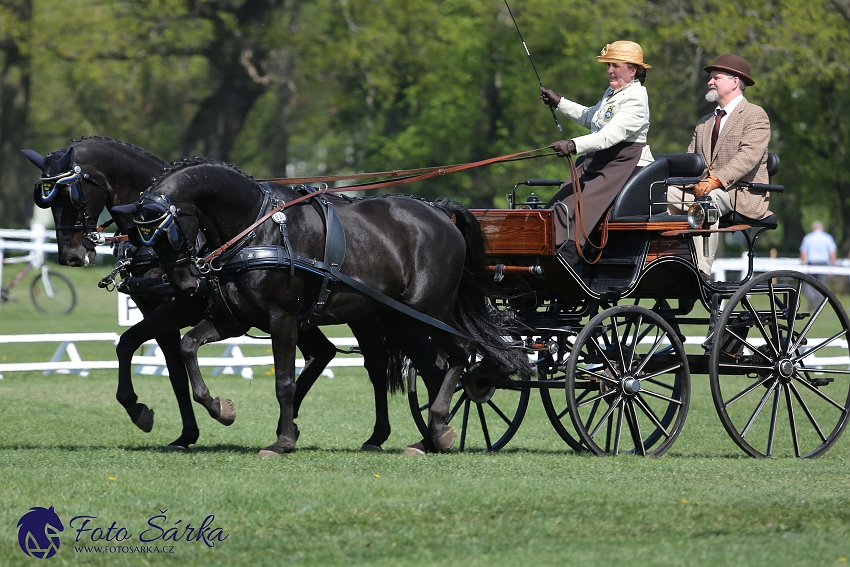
x,y
340,86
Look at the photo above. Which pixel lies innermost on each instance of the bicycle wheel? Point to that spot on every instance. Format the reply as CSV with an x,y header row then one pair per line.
x,y
53,293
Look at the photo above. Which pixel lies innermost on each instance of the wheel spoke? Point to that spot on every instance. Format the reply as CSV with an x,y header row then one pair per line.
x,y
660,384
462,398
807,411
820,346
635,339
651,415
605,417
746,302
660,372
809,324
758,409
499,412
743,341
593,411
464,426
637,438
616,339
772,429
773,300
746,391
792,315
620,410
660,397
604,356
752,367
820,394
658,340
583,370
793,423
484,428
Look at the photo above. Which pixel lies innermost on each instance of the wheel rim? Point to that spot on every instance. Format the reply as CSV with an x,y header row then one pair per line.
x,y
487,416
780,377
627,383
53,294
553,400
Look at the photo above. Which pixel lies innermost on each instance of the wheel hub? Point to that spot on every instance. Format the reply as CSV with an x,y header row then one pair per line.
x,y
476,387
785,368
630,385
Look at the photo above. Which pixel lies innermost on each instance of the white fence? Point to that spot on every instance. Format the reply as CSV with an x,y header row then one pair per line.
x,y
761,265
67,359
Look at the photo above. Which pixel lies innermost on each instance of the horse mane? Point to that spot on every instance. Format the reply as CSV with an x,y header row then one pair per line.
x,y
119,142
184,163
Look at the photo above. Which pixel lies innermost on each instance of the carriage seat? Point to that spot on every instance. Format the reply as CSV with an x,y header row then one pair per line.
x,y
640,201
733,218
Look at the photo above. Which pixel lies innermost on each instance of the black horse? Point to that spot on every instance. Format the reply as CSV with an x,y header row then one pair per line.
x,y
113,173
403,248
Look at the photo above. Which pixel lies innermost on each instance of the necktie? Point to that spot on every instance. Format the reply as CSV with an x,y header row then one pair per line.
x,y
717,118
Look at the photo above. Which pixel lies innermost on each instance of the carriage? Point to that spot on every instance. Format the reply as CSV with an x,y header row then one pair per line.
x,y
610,345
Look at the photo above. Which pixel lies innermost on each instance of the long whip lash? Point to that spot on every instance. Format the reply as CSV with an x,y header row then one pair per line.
x,y
552,110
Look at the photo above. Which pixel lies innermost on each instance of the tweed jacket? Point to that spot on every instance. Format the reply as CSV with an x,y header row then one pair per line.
x,y
740,155
621,116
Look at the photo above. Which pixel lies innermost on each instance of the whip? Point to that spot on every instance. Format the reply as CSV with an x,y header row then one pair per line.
x,y
552,110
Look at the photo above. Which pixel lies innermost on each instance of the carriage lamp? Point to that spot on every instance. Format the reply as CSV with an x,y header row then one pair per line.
x,y
703,213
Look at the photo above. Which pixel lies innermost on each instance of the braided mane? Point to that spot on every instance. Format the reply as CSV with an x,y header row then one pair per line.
x,y
119,142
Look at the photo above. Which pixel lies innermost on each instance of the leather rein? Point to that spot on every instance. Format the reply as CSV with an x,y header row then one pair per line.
x,y
404,177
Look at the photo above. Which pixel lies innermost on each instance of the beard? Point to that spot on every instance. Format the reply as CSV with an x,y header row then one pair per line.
x,y
712,95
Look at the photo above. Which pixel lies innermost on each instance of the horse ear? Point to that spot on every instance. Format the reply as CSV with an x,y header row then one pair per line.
x,y
63,162
35,158
130,209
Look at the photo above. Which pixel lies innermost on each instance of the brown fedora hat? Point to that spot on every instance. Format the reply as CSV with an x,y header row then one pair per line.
x,y
729,63
623,52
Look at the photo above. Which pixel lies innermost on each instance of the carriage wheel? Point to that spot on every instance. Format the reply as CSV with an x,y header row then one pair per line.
x,y
627,383
487,414
779,372
557,410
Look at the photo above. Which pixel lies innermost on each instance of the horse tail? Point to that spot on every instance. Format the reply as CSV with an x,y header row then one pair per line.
x,y
472,307
396,379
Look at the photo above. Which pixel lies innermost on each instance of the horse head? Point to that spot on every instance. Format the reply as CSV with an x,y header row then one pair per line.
x,y
79,181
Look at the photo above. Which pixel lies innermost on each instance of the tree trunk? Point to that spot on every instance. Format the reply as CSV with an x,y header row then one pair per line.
x,y
16,173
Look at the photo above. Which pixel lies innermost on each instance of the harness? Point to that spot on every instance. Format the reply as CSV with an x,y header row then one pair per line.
x,y
48,187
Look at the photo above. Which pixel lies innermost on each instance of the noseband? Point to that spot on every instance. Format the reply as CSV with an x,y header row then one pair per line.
x,y
47,187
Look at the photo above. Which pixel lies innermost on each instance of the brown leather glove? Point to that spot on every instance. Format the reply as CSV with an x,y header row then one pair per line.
x,y
706,186
564,147
549,97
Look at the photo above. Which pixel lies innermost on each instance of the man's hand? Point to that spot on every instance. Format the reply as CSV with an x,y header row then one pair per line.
x,y
564,147
550,97
706,186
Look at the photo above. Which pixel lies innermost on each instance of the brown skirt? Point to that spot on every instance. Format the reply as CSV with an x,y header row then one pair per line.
x,y
602,174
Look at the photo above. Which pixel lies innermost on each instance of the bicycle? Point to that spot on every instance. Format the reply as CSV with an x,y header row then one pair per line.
x,y
51,292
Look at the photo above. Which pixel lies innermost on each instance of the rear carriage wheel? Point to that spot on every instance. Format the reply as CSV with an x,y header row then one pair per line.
x,y
486,409
627,383
779,370
554,402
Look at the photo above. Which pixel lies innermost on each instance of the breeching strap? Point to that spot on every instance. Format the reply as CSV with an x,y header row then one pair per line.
x,y
411,175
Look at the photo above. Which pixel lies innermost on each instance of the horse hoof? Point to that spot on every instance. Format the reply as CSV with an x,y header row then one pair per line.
x,y
145,419
176,448
415,450
444,442
369,448
227,413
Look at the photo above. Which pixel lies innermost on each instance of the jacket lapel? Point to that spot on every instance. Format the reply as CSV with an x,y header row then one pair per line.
x,y
730,123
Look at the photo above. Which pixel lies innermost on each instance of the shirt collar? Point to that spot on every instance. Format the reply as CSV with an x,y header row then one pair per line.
x,y
731,106
621,89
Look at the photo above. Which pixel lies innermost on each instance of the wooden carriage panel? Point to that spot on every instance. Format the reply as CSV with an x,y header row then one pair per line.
x,y
668,246
521,231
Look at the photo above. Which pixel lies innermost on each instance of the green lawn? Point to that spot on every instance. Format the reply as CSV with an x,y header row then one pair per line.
x,y
65,442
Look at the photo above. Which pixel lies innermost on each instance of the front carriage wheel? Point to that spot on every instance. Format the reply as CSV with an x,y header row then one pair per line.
x,y
487,411
779,370
627,383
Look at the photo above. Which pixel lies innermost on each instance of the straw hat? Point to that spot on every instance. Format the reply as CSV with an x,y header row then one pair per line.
x,y
729,63
623,52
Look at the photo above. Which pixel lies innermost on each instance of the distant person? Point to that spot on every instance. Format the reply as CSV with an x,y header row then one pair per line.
x,y
817,249
733,140
616,145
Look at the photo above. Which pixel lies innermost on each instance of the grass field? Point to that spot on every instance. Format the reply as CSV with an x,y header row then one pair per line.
x,y
65,442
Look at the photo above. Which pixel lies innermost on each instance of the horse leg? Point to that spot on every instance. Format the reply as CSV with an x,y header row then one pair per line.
x,y
284,334
207,331
459,352
376,361
318,351
130,341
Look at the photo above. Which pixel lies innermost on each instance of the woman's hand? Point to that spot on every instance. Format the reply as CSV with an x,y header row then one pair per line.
x,y
549,97
564,147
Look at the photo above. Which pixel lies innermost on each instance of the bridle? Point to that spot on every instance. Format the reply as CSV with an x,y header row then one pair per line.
x,y
149,230
47,187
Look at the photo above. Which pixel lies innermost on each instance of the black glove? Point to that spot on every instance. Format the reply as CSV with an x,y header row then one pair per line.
x,y
564,147
549,97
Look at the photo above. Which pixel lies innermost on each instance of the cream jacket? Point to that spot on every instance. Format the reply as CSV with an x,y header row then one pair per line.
x,y
621,116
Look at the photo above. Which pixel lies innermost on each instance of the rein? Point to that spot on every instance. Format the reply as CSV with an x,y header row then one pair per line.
x,y
411,175
580,217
